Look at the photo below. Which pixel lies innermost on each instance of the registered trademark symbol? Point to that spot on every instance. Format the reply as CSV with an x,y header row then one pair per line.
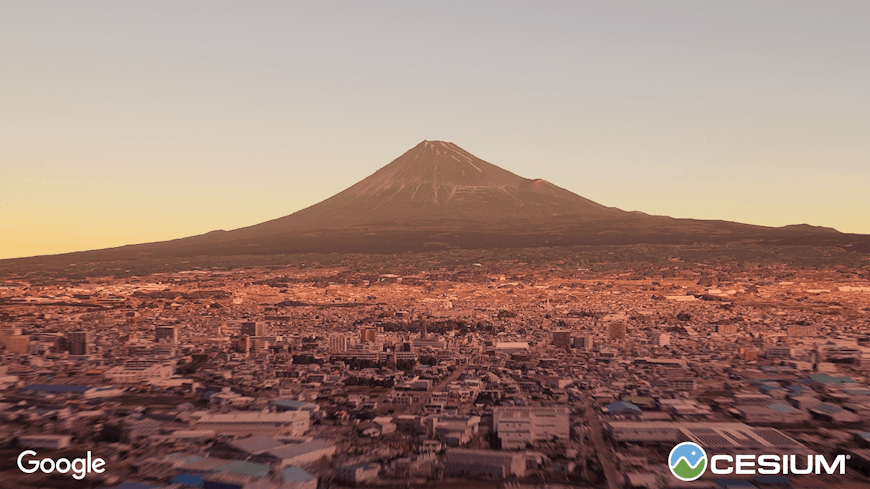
x,y
848,457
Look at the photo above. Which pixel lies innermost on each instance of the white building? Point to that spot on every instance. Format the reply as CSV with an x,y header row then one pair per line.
x,y
286,423
358,474
136,372
518,426
305,453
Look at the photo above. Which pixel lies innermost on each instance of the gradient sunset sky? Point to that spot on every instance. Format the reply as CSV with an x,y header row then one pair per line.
x,y
129,122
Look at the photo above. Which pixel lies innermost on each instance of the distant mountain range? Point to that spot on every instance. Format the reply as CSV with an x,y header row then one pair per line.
x,y
438,196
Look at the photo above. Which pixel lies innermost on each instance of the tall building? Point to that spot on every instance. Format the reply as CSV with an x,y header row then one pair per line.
x,y
338,343
251,328
78,342
583,342
168,332
241,344
19,344
562,339
259,343
616,331
6,333
368,335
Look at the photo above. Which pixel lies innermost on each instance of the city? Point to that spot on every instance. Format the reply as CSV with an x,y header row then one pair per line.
x,y
494,376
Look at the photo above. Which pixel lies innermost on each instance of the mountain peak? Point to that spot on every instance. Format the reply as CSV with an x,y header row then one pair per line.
x,y
438,180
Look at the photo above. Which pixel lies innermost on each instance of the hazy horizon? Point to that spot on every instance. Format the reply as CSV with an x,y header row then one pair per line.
x,y
131,123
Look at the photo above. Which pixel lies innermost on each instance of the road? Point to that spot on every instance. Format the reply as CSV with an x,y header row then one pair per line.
x,y
602,448
453,377
417,406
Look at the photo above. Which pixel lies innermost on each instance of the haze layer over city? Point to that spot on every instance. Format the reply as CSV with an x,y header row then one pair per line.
x,y
501,245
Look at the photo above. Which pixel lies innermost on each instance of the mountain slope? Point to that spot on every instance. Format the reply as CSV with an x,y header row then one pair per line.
x,y
437,181
438,196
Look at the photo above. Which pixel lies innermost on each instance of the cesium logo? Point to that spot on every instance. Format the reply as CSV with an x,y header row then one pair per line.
x,y
687,461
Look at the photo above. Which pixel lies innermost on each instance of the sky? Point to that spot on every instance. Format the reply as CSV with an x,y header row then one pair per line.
x,y
131,122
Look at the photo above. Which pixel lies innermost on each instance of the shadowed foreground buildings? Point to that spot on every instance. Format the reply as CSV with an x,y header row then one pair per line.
x,y
486,464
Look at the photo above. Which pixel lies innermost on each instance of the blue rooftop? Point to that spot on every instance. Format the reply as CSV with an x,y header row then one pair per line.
x,y
622,406
828,408
783,408
188,480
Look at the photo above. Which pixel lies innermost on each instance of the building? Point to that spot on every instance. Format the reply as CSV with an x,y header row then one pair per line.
x,y
838,353
338,343
430,342
675,384
78,342
726,436
562,339
797,330
358,474
518,426
726,329
511,346
259,343
616,331
368,335
360,355
240,423
661,339
833,413
252,328
6,332
583,342
135,372
169,333
292,454
18,344
778,353
486,464
775,413
241,344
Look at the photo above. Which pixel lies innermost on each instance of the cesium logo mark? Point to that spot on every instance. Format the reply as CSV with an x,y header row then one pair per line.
x,y
687,461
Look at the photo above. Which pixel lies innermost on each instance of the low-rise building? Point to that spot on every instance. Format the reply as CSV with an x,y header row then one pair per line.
x,y
486,464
